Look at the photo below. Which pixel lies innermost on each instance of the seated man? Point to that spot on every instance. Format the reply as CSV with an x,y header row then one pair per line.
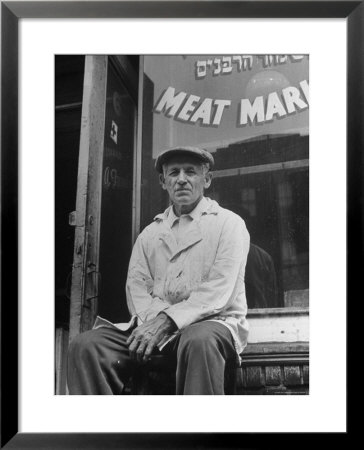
x,y
185,291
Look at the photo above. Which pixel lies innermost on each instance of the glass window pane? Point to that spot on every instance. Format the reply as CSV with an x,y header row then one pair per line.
x,y
251,113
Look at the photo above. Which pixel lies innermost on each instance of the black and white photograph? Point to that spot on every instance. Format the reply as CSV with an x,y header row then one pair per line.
x,y
182,224
182,215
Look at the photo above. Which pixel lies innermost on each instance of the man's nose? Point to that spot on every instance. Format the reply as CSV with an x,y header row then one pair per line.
x,y
181,177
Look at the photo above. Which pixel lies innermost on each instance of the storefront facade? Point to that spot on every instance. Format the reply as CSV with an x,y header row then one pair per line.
x,y
113,115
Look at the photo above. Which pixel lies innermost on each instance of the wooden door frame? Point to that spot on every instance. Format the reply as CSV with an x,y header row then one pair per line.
x,y
84,290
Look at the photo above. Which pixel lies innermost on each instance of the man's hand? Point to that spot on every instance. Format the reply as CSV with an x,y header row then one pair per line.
x,y
148,335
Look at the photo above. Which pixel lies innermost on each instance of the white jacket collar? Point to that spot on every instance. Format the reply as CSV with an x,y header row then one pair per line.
x,y
205,206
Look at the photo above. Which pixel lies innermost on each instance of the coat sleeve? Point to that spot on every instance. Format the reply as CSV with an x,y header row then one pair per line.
x,y
139,284
225,280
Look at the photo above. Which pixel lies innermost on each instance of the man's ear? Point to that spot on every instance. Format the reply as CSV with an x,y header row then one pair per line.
x,y
161,181
208,179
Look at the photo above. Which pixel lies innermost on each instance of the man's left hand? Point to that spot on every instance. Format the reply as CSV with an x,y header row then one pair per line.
x,y
148,335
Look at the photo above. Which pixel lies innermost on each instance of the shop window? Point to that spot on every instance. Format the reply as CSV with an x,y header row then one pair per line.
x,y
251,113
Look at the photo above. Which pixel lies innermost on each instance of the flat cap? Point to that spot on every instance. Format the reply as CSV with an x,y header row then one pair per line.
x,y
199,153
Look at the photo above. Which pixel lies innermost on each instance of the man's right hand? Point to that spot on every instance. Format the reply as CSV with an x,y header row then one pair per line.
x,y
147,336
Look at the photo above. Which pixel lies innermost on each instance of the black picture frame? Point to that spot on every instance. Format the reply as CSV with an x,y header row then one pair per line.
x,y
11,12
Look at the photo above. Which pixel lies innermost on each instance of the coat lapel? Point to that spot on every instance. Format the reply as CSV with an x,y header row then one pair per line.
x,y
194,236
167,237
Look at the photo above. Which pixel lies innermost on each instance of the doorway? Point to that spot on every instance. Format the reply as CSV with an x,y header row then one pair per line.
x,y
69,73
95,135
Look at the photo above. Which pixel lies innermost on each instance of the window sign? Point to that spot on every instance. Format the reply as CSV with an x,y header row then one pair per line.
x,y
251,113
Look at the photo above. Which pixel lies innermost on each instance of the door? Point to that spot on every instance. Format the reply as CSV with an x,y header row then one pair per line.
x,y
104,200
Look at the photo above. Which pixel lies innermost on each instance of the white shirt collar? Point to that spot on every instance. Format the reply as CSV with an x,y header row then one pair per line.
x,y
194,214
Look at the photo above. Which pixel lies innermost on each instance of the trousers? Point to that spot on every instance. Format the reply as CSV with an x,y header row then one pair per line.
x,y
99,362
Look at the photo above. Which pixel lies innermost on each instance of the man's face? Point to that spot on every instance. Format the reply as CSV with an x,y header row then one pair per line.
x,y
185,179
